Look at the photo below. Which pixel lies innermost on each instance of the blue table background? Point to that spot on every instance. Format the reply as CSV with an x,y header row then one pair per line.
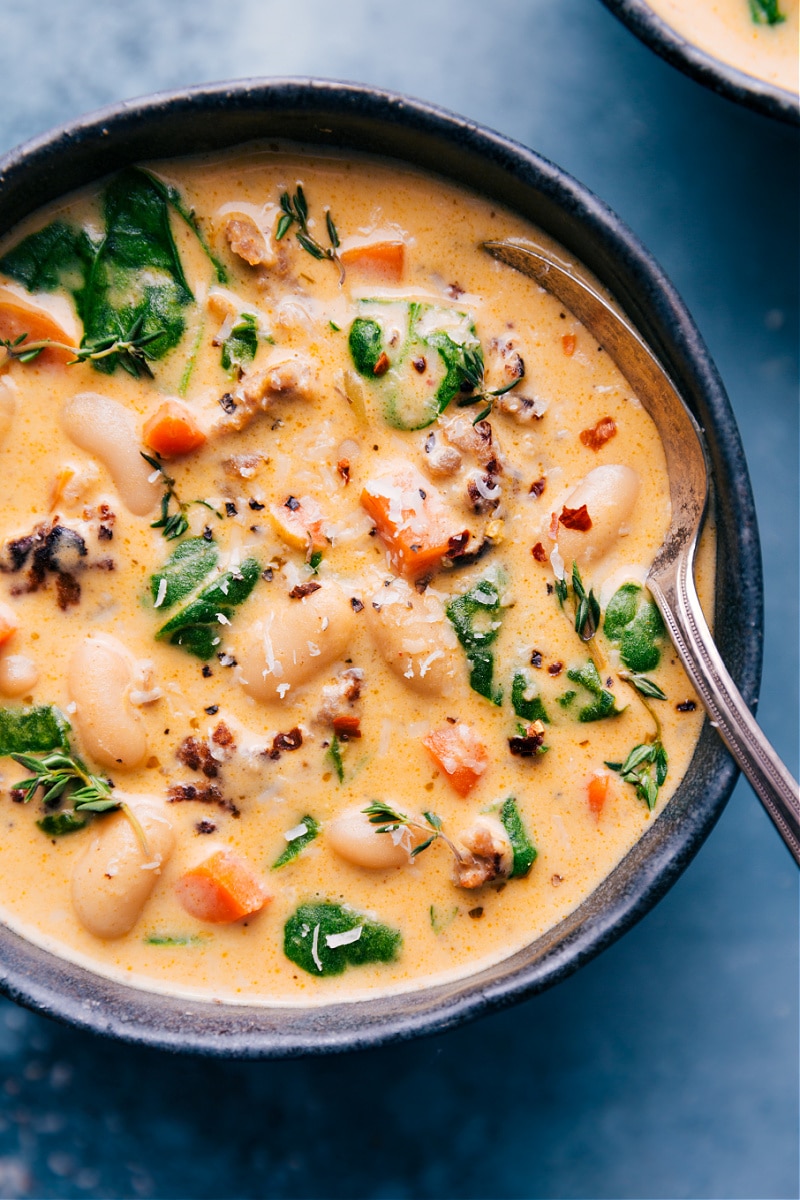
x,y
668,1067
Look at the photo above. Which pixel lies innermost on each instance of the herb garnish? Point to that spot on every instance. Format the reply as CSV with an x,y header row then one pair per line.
x,y
240,346
528,710
388,820
32,730
172,525
334,754
522,847
474,377
129,349
645,768
295,212
586,606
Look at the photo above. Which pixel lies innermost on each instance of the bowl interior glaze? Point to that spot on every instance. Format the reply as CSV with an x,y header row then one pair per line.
x,y
700,65
370,121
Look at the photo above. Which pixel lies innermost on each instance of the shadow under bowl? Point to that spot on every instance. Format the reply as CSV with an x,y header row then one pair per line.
x,y
350,117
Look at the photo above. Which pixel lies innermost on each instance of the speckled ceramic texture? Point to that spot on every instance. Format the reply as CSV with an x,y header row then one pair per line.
x,y
366,120
719,76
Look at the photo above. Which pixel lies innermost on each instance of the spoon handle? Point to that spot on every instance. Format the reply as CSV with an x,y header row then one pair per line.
x,y
674,592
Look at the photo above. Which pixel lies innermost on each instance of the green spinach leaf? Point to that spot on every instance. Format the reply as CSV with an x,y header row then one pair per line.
x,y
633,621
475,618
527,710
604,704
32,730
196,625
299,842
523,848
240,346
324,939
184,570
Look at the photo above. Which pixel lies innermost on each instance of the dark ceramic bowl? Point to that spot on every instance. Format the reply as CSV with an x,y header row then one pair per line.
x,y
358,118
702,66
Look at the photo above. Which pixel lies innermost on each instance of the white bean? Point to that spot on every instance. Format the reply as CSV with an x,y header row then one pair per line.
x,y
609,494
18,674
354,838
294,641
113,878
107,429
101,674
413,634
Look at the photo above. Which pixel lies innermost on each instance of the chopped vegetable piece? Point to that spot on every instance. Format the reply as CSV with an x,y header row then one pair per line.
x,y
59,824
23,322
196,626
634,621
32,730
222,889
9,623
303,835
766,12
176,939
314,939
459,753
299,522
523,848
411,518
404,333
334,754
597,790
172,430
604,704
474,616
379,261
527,707
240,346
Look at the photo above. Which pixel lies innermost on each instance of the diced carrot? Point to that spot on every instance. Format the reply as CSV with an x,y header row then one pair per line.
x,y
9,623
221,889
459,753
376,260
568,344
172,430
299,521
597,790
19,314
412,520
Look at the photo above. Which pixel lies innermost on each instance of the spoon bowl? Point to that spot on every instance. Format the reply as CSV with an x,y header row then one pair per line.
x,y
671,578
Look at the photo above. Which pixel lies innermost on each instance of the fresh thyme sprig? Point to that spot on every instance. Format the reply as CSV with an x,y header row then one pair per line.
x,y
586,605
130,349
645,768
295,212
172,525
63,771
472,368
388,820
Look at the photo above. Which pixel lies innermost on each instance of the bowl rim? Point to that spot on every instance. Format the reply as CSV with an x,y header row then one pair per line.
x,y
702,66
460,150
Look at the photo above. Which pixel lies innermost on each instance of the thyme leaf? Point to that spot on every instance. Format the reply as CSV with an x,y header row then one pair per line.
x,y
295,212
645,768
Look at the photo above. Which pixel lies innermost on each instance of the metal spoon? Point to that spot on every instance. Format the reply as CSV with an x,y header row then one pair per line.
x,y
670,579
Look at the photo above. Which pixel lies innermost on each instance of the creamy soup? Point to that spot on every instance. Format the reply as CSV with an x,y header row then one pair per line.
x,y
325,653
759,37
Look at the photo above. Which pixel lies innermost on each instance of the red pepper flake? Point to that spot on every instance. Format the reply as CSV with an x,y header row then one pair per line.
x,y
555,668
343,467
568,344
553,526
382,365
346,727
604,430
456,543
576,518
304,589
539,553
537,488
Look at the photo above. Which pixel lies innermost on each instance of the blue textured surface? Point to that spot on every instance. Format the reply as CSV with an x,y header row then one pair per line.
x,y
668,1067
